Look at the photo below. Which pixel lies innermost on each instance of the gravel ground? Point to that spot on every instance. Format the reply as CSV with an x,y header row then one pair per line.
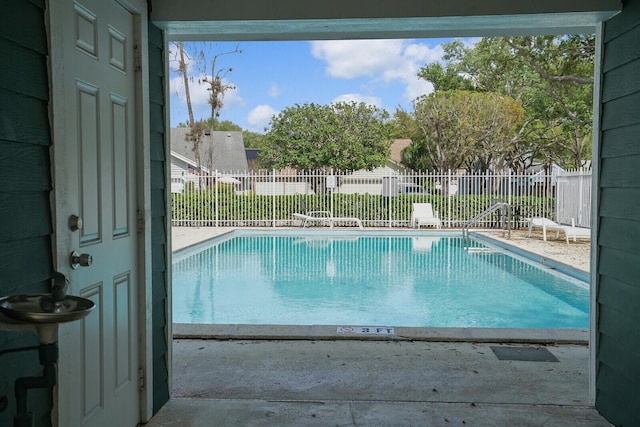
x,y
576,254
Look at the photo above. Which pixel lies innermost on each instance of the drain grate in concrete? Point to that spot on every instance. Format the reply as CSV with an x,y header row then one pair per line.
x,y
524,354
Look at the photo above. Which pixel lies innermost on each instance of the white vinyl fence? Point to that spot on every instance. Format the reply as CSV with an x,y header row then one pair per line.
x,y
573,199
378,199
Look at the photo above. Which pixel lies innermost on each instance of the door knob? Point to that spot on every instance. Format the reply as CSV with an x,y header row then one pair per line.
x,y
80,260
75,223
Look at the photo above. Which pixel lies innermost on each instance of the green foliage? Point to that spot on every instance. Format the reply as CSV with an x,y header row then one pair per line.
x,y
189,187
217,125
462,128
258,210
444,79
224,189
253,139
551,76
344,136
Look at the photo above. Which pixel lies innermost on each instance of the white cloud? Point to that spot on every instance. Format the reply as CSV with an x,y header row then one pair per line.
x,y
470,42
383,61
259,117
274,90
369,100
416,88
348,59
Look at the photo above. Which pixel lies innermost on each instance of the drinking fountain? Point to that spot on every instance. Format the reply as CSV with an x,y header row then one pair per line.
x,y
40,314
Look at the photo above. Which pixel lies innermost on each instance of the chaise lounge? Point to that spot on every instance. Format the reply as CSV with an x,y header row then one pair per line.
x,y
423,214
570,232
324,217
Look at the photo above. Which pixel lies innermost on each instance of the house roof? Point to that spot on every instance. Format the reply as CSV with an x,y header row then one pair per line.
x,y
187,160
220,150
252,153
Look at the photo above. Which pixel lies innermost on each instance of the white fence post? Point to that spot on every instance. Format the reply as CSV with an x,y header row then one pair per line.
x,y
216,196
580,195
273,199
573,197
332,210
389,202
448,190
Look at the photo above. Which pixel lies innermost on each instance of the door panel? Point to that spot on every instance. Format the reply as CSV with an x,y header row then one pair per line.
x,y
95,179
89,163
121,196
123,374
91,345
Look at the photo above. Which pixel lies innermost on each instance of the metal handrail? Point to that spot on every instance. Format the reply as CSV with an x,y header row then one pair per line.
x,y
504,206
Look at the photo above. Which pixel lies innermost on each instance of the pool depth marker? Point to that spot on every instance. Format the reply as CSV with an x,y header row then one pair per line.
x,y
366,330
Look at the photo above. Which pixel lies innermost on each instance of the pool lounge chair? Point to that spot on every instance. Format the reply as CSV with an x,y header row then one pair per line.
x,y
423,214
574,232
548,225
324,217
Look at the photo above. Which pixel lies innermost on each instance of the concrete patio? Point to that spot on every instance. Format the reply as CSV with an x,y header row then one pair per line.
x,y
374,383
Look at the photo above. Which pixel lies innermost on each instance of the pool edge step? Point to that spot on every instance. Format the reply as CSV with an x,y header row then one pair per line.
x,y
329,332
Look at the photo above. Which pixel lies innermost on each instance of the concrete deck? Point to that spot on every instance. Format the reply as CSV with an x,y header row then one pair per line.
x,y
373,383
306,376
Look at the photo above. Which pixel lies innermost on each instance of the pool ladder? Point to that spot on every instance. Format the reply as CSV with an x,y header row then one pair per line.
x,y
505,218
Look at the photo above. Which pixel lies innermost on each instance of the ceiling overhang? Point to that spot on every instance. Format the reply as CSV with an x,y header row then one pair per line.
x,y
243,20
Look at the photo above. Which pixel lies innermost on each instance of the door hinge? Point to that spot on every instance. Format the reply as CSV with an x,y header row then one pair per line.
x,y
140,221
141,379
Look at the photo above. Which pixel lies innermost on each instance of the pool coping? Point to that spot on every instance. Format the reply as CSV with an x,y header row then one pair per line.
x,y
329,333
545,261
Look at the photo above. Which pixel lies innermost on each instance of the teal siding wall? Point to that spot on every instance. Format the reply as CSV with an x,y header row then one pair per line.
x,y
26,258
25,215
158,218
618,299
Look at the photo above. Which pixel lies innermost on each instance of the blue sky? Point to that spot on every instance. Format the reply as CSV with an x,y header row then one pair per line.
x,y
270,76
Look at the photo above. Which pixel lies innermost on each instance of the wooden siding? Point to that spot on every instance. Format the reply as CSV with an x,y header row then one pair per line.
x,y
618,318
158,219
26,258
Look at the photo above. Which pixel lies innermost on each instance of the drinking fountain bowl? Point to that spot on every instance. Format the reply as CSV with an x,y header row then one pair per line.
x,y
43,308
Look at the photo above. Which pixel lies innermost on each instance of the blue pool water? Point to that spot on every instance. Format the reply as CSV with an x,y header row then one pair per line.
x,y
383,280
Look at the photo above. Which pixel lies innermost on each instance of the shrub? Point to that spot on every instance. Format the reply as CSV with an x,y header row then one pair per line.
x,y
249,209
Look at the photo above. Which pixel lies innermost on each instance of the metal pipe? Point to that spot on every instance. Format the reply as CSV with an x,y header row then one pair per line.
x,y
48,356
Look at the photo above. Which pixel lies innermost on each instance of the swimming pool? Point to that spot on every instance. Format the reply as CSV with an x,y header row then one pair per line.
x,y
385,279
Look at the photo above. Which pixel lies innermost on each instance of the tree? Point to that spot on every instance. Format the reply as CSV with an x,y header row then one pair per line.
x,y
196,137
225,125
445,78
182,60
253,139
217,88
551,76
343,136
462,128
217,85
565,66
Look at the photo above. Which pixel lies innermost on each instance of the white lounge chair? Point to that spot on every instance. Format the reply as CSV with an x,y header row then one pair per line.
x,y
423,214
324,217
548,225
574,232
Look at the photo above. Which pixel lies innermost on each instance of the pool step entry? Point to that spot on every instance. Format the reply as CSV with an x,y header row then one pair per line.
x,y
472,250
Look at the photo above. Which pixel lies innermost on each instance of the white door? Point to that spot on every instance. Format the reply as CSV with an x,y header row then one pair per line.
x,y
94,152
